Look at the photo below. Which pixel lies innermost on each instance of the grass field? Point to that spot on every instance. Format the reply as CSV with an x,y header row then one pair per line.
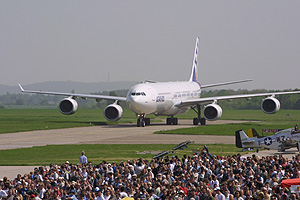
x,y
259,120
96,153
19,120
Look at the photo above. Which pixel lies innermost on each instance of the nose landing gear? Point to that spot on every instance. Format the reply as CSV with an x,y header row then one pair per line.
x,y
142,121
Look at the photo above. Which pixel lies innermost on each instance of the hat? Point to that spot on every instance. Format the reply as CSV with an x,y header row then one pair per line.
x,y
67,162
217,188
97,189
181,191
263,188
32,195
149,167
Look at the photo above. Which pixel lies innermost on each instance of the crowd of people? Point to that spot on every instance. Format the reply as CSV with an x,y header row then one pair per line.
x,y
196,177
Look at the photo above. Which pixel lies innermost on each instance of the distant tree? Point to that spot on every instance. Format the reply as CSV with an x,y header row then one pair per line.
x,y
297,105
44,102
112,93
20,102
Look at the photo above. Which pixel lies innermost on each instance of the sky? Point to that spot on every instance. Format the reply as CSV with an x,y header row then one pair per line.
x,y
100,41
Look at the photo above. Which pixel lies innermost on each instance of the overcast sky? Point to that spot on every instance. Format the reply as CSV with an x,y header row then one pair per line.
x,y
94,41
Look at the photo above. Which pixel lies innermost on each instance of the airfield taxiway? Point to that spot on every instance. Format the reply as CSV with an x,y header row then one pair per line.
x,y
110,134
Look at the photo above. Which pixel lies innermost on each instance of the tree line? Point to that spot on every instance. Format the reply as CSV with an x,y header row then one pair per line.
x,y
286,101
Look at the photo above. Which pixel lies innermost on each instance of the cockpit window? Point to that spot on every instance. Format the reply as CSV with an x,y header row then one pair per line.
x,y
138,94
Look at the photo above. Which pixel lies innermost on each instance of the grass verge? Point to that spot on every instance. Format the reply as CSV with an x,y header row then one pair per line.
x,y
96,153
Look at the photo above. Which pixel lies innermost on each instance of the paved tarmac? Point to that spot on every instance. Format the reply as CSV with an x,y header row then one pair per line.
x,y
109,134
287,154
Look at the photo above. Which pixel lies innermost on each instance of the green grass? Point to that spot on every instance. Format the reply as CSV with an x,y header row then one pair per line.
x,y
19,120
281,120
96,153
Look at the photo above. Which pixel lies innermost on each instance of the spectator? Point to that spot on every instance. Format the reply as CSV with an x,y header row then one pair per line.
x,y
164,178
83,158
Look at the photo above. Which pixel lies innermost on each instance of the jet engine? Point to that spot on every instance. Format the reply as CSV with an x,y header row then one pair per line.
x,y
212,112
68,106
270,105
113,112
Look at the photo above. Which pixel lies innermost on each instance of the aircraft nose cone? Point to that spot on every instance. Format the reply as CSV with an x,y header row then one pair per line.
x,y
134,105
139,105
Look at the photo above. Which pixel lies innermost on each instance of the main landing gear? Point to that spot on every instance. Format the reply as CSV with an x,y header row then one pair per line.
x,y
198,120
172,121
142,121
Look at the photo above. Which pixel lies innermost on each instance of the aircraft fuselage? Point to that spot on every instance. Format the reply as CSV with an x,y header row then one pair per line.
x,y
160,98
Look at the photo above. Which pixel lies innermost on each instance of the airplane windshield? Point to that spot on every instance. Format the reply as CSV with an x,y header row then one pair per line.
x,y
138,94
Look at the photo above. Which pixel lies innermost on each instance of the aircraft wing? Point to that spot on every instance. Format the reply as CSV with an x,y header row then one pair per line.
x,y
75,95
225,83
199,101
289,142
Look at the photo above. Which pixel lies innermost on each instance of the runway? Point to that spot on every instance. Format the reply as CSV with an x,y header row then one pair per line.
x,y
110,134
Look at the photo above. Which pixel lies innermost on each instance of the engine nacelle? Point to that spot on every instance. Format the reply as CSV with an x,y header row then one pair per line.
x,y
270,105
113,112
68,106
212,112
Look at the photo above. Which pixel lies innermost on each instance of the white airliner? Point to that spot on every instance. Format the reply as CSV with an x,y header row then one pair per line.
x,y
166,99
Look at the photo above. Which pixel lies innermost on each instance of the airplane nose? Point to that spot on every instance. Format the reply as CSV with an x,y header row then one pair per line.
x,y
134,105
139,105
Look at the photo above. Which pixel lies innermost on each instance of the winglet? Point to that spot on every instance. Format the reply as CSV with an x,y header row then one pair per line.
x,y
21,88
194,74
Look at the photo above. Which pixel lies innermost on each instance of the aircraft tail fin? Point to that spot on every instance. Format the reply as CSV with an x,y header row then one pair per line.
x,y
240,136
256,134
194,73
253,133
